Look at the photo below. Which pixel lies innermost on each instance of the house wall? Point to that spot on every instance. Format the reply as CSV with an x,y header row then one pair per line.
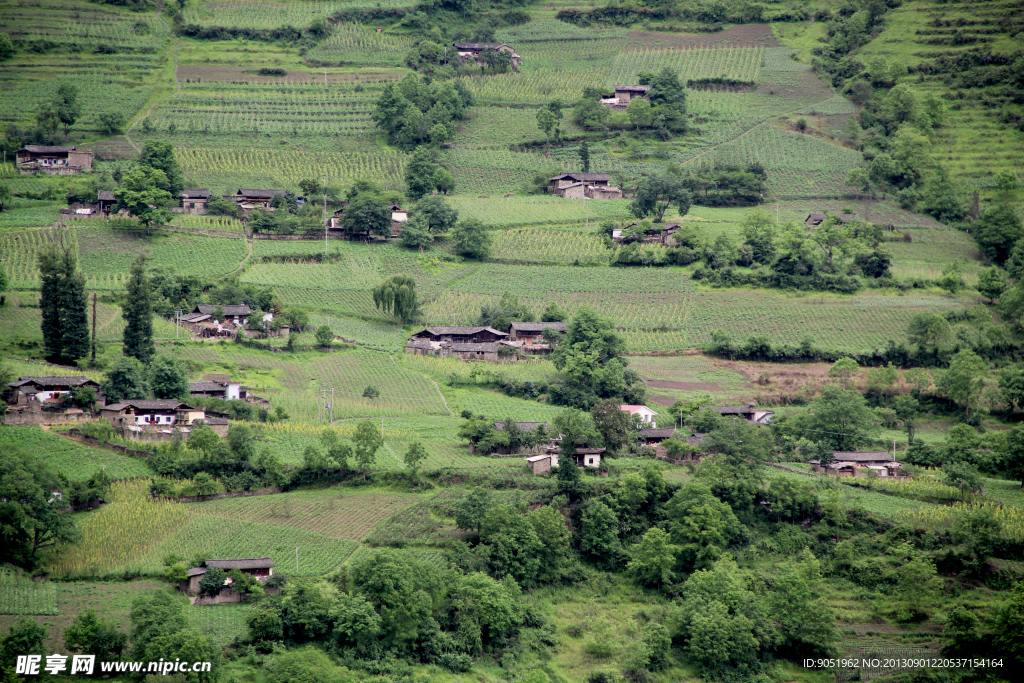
x,y
576,192
81,160
34,415
195,207
541,466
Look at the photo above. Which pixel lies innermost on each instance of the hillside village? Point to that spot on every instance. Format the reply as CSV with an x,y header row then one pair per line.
x,y
516,343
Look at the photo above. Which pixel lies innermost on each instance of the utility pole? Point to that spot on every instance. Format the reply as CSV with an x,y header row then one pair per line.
x,y
93,318
327,221
177,321
332,407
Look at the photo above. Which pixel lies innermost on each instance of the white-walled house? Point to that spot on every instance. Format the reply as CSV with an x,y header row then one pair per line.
x,y
646,414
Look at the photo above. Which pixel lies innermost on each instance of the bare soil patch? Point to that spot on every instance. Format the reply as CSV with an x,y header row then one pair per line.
x,y
682,386
750,35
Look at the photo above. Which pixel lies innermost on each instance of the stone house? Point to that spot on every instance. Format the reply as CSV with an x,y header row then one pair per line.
x,y
260,567
218,386
749,412
584,185
193,201
860,464
105,201
542,464
471,51
528,337
53,160
30,389
253,199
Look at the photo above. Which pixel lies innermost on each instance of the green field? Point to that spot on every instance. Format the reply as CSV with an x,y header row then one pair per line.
x,y
70,458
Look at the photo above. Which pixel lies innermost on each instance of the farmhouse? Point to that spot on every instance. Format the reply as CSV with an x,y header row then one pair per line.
x,y
584,185
260,567
471,51
194,201
53,160
465,342
42,389
105,201
625,93
657,233
254,199
398,217
217,386
645,413
813,220
749,412
140,412
238,314
860,464
542,464
529,339
654,436
588,457
462,334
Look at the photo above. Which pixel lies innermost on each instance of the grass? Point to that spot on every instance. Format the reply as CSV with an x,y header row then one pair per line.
x,y
74,460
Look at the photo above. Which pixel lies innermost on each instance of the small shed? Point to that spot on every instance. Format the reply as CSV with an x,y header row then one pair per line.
x,y
194,200
625,93
260,567
542,464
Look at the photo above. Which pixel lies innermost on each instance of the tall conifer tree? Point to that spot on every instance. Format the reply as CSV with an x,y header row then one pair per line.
x,y
138,313
65,323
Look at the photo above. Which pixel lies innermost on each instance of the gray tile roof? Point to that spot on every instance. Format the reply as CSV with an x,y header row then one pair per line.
x,y
537,327
196,193
480,46
483,347
632,88
863,456
149,404
260,194
105,195
655,433
583,177
229,309
249,563
46,149
70,381
463,329
205,386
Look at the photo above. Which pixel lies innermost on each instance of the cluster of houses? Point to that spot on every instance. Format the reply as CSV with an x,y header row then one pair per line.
x,y
481,342
584,186
143,419
261,568
212,321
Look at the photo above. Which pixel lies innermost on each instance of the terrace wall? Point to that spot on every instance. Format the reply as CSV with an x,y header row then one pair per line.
x,y
34,416
229,494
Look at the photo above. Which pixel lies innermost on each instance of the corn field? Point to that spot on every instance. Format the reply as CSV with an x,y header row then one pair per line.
x,y
546,246
118,533
261,15
355,43
222,223
19,594
944,517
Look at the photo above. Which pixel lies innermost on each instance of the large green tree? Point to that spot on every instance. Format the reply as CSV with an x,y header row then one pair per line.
x,y
67,105
840,418
93,635
472,239
366,441
652,559
137,312
62,303
700,525
398,297
160,156
997,230
656,193
367,214
965,379
167,378
592,356
807,623
420,172
32,519
128,379
143,192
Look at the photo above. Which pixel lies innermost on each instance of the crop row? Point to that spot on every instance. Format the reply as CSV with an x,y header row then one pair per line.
x,y
70,458
355,43
259,15
548,246
221,223
19,594
82,23
525,210
285,168
736,63
777,149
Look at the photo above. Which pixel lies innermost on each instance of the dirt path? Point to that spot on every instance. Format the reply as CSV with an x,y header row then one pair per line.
x,y
443,399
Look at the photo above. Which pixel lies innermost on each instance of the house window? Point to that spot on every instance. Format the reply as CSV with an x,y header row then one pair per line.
x,y
192,205
590,461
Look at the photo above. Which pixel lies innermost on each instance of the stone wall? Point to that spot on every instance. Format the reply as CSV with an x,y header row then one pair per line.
x,y
34,416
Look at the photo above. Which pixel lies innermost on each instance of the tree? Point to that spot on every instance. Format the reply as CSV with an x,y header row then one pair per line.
x,y
142,192
471,509
371,392
841,419
669,98
546,121
584,154
367,214
436,214
555,539
832,237
6,47
553,314
962,476
5,201
24,637
639,112
159,156
398,297
652,559
997,230
591,356
1008,628
137,312
759,232
167,378
1013,454
414,456
47,118
929,330
416,233
443,180
472,239
700,525
500,316
656,193
722,623
598,537
125,381
67,105
112,122
92,635
419,173
213,581
952,280
807,623
613,423
31,519
965,379
62,303
907,407
366,441
153,615
991,283
308,664
324,336
843,370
